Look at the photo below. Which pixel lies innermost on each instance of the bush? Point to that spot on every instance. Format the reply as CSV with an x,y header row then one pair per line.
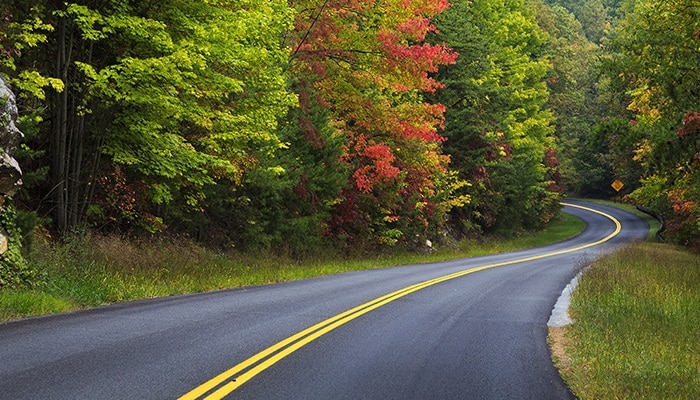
x,y
14,269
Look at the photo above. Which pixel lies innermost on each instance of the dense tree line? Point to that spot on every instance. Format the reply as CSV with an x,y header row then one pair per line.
x,y
353,123
653,60
267,123
499,133
636,107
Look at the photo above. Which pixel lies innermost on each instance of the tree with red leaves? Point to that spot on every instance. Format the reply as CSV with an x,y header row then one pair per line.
x,y
368,63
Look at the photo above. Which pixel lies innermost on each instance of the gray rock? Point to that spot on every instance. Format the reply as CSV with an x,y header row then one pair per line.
x,y
10,135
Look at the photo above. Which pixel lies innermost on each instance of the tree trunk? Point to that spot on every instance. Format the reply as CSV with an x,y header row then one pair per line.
x,y
72,173
60,130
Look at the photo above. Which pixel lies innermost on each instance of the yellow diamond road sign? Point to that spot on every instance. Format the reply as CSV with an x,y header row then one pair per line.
x,y
617,185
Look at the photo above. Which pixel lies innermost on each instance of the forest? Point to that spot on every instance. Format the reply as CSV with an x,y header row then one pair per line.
x,y
348,124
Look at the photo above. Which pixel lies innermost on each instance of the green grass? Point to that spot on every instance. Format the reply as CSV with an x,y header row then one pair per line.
x,y
636,333
16,304
87,271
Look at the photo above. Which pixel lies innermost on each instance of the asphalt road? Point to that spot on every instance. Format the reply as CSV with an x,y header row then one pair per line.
x,y
477,334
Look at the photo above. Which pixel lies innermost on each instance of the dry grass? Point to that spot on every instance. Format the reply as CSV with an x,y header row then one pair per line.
x,y
558,344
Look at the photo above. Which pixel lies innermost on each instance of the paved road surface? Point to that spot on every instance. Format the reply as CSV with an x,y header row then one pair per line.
x,y
476,335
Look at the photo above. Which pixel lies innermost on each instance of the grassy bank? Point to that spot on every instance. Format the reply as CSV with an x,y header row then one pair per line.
x,y
87,271
636,333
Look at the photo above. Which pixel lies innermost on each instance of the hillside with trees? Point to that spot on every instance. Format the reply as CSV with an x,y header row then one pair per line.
x,y
348,124
639,108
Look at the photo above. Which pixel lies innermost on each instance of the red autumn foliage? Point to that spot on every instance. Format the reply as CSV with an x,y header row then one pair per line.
x,y
691,124
554,175
378,167
367,61
7,49
682,225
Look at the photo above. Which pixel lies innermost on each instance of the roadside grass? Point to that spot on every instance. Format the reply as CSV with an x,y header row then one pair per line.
x,y
89,270
17,304
636,333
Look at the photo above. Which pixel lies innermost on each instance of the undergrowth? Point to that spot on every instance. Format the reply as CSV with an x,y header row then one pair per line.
x,y
87,270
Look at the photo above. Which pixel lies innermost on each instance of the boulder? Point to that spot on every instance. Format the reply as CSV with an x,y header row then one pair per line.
x,y
10,135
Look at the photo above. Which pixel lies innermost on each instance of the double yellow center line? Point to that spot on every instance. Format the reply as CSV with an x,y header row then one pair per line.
x,y
229,380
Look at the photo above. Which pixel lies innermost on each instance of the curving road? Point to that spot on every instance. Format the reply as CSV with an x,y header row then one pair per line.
x,y
464,329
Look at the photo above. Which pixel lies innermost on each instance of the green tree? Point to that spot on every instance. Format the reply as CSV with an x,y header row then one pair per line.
x,y
160,102
575,87
499,134
286,212
596,16
653,58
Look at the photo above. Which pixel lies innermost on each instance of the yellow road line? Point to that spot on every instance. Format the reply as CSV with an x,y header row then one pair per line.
x,y
241,373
